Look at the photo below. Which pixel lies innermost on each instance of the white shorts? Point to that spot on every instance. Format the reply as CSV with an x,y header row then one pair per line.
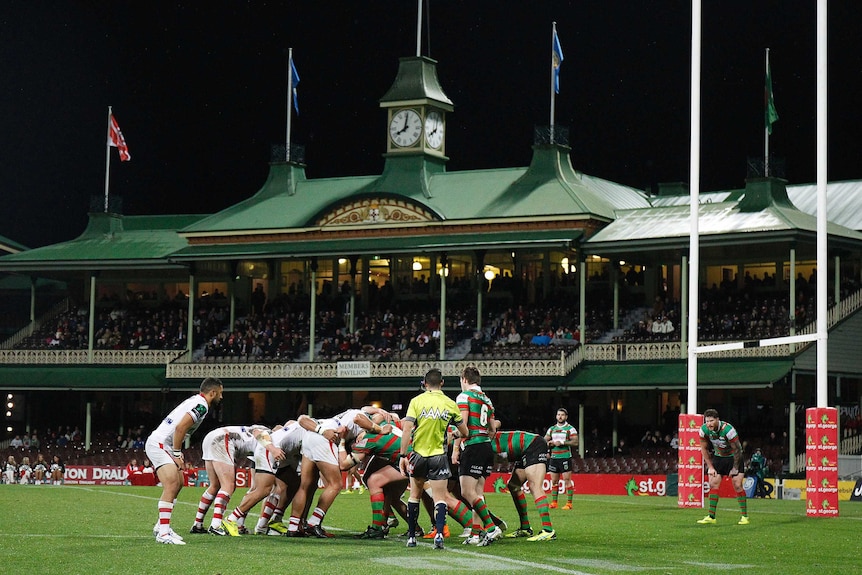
x,y
318,448
159,453
264,460
218,447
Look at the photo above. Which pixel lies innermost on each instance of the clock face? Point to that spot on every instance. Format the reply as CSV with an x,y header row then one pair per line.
x,y
405,128
434,129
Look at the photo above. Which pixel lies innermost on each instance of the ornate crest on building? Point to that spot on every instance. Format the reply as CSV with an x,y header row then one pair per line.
x,y
375,211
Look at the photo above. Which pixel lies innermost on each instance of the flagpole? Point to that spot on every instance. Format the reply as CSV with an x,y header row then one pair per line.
x,y
766,126
419,28
107,159
553,77
289,103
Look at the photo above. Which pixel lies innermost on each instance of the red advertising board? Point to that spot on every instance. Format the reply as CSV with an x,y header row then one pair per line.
x,y
821,461
690,463
594,484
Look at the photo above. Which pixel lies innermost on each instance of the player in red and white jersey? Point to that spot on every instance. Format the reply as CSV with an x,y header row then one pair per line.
x,y
223,449
163,448
282,452
320,454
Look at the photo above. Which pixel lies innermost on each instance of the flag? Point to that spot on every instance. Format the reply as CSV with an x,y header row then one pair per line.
x,y
294,80
116,139
557,60
770,113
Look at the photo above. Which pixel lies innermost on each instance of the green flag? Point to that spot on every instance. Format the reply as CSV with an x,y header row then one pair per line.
x,y
770,113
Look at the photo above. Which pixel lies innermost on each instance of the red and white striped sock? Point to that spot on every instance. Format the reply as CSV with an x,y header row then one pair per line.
x,y
203,506
317,517
269,506
165,510
219,507
236,516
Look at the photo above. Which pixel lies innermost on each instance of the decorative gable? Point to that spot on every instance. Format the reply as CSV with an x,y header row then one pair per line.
x,y
375,211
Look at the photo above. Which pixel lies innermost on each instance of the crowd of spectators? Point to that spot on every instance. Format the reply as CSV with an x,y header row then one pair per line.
x,y
278,329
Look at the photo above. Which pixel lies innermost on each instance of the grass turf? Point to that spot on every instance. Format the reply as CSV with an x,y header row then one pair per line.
x,y
105,530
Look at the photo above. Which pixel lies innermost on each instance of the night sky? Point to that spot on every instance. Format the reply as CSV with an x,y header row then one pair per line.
x,y
199,90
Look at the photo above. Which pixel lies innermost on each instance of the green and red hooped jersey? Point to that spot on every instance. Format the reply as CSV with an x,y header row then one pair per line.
x,y
479,412
513,443
564,432
721,440
386,445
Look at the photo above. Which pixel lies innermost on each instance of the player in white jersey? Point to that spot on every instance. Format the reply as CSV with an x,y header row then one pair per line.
x,y
164,451
223,450
320,454
267,461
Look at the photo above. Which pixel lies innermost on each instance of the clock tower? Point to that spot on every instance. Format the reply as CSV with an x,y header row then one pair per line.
x,y
416,110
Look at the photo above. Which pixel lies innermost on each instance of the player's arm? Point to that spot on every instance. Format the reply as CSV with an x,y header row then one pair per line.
x,y
707,457
406,442
311,424
263,437
372,410
736,444
463,431
351,460
180,432
368,423
548,439
573,439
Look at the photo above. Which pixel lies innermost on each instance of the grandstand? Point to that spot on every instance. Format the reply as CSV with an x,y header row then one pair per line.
x,y
572,286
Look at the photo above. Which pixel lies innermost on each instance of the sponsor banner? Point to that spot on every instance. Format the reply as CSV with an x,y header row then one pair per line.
x,y
593,484
821,457
95,475
692,484
106,475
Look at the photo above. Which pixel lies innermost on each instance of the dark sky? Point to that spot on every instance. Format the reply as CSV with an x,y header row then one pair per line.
x,y
199,92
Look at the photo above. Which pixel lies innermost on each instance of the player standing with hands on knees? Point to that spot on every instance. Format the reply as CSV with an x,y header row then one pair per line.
x,y
164,449
722,455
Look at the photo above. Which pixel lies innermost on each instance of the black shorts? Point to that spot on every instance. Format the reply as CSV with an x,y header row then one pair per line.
x,y
561,465
537,452
723,465
477,460
430,468
374,465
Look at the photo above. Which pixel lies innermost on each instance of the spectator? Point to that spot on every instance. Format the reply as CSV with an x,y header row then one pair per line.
x,y
477,344
132,469
190,474
35,444
58,470
25,472
16,442
10,470
40,469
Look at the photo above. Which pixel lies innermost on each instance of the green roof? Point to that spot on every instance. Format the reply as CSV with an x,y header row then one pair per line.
x,y
764,209
432,239
550,187
110,240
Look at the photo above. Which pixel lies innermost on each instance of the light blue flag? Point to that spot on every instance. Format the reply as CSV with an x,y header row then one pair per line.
x,y
294,81
557,58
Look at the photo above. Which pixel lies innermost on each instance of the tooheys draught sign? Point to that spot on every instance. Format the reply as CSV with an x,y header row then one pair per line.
x,y
821,461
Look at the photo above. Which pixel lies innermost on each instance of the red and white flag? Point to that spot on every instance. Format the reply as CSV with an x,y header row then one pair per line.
x,y
116,139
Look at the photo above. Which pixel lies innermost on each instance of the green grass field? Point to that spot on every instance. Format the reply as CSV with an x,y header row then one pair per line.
x,y
93,530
